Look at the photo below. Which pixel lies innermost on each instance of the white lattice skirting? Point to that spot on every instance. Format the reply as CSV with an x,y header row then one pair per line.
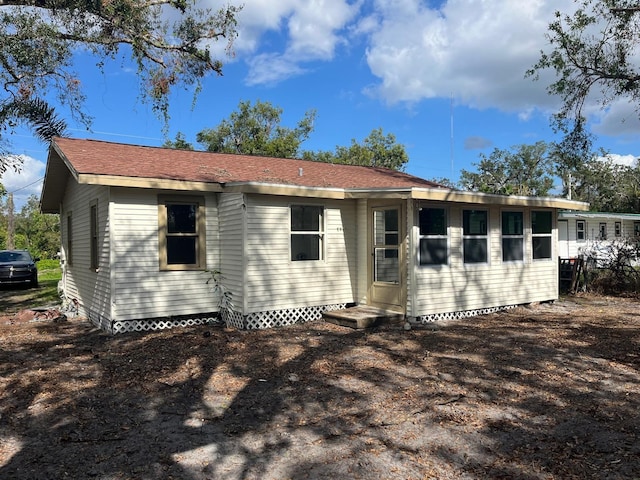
x,y
277,318
161,323
434,317
232,319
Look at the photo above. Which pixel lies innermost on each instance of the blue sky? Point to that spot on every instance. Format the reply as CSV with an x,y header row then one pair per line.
x,y
446,78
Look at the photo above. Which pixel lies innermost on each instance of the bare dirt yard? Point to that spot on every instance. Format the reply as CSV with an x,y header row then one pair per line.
x,y
549,391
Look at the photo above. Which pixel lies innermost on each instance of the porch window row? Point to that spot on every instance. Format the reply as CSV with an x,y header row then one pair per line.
x,y
434,237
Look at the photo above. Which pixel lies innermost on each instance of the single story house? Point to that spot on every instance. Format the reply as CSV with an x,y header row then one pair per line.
x,y
143,229
580,232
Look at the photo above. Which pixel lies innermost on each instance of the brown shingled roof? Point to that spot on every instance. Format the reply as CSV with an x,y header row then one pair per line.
x,y
93,157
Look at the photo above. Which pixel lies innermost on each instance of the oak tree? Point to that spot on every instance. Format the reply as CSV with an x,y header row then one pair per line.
x,y
169,41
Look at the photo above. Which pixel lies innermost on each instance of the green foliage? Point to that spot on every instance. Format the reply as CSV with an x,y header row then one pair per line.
x,y
256,130
167,39
180,143
34,231
376,150
525,170
593,53
608,187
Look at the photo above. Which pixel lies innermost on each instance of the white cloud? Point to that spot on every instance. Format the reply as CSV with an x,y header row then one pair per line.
x,y
626,160
477,51
26,182
620,119
271,68
292,32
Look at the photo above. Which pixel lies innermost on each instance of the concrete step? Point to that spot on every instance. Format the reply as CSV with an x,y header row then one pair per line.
x,y
362,316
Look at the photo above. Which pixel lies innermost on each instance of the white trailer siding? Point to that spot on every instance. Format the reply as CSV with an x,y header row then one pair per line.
x,y
141,290
273,281
90,287
573,246
458,287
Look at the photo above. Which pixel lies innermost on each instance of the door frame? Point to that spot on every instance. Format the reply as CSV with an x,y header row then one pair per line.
x,y
377,291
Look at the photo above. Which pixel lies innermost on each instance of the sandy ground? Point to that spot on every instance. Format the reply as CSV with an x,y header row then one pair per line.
x,y
544,392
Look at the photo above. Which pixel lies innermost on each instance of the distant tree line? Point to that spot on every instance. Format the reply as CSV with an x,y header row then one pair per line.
x,y
546,169
256,130
37,232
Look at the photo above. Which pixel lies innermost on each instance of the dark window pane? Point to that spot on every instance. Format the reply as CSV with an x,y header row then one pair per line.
x,y
305,218
512,250
541,247
475,250
305,247
433,221
512,223
433,251
181,250
391,239
391,220
474,222
181,218
541,222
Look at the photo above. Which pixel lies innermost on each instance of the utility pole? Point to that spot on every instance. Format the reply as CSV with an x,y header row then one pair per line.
x,y
10,226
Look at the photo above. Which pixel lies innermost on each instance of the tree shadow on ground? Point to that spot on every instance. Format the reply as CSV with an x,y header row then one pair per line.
x,y
503,396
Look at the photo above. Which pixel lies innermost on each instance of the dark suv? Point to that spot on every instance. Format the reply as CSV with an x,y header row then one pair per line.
x,y
18,267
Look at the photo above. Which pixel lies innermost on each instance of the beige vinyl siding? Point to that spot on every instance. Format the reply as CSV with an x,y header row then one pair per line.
x,y
141,290
273,281
362,212
231,211
459,287
90,287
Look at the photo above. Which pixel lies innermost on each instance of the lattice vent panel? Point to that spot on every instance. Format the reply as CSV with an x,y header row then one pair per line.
x,y
162,323
289,316
459,315
232,319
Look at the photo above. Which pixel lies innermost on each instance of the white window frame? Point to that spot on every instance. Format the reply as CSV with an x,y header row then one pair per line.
x,y
475,236
581,227
618,229
602,230
434,237
320,233
511,236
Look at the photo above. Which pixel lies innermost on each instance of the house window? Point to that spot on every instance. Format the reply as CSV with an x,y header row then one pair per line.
x,y
93,221
581,231
618,229
603,231
433,236
474,236
636,229
512,237
182,235
69,256
541,230
307,232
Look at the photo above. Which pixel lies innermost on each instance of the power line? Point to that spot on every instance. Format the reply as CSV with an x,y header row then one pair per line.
x,y
26,186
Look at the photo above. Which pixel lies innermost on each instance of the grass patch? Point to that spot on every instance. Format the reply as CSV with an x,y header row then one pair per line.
x,y
14,298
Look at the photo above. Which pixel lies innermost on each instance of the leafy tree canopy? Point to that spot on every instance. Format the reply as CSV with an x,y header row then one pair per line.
x,y
594,55
34,231
169,41
180,143
376,150
523,170
256,130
